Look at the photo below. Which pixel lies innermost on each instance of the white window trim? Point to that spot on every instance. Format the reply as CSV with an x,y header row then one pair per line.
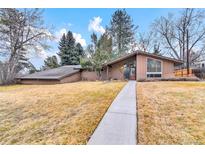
x,y
147,73
154,72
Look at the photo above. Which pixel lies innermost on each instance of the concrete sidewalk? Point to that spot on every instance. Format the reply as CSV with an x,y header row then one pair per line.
x,y
118,125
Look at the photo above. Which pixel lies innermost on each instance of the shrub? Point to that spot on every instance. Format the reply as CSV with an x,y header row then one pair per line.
x,y
199,72
170,79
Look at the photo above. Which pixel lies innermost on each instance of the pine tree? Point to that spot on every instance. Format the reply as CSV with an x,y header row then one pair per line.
x,y
69,54
50,62
105,42
90,50
80,50
97,57
122,30
62,48
94,40
32,68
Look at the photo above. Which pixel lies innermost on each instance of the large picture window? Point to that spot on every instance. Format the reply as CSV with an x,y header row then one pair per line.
x,y
154,68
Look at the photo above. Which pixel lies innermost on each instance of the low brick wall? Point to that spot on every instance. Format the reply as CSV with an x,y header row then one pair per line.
x,y
89,76
170,79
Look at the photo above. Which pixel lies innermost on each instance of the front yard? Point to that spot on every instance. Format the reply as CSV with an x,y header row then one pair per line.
x,y
171,112
53,114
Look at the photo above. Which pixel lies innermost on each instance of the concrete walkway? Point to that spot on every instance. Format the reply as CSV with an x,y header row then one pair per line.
x,y
118,125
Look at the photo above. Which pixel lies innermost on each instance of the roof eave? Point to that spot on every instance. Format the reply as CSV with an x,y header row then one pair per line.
x,y
120,58
142,53
57,78
160,57
26,78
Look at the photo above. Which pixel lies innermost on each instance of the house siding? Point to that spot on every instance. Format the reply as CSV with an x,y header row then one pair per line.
x,y
116,70
141,67
104,74
89,76
73,78
167,67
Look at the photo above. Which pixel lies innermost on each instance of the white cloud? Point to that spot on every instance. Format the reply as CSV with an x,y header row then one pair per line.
x,y
38,51
77,36
95,26
38,60
42,53
79,39
69,24
60,33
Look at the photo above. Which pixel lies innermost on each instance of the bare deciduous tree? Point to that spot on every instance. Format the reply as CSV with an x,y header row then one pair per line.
x,y
183,36
145,41
21,32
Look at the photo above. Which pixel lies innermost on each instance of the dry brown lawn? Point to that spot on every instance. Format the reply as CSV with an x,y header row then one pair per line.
x,y
53,114
171,112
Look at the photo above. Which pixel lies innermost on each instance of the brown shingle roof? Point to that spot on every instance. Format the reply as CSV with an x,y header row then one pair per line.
x,y
54,74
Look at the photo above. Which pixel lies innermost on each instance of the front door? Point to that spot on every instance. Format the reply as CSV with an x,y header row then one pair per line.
x,y
130,72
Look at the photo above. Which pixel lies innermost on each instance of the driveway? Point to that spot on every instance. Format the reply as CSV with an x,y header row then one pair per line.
x,y
118,126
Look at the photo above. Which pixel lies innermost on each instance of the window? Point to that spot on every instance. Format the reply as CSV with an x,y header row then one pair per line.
x,y
154,68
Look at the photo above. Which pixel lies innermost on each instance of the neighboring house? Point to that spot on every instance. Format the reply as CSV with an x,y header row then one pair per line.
x,y
134,66
200,64
198,67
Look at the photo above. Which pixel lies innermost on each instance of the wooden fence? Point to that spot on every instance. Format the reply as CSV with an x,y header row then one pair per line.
x,y
183,73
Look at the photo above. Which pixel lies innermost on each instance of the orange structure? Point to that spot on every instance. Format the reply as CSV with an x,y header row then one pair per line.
x,y
183,73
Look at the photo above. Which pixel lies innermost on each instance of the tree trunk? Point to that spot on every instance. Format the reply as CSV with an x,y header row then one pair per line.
x,y
183,50
188,55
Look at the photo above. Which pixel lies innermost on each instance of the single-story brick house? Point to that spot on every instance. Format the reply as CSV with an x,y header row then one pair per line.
x,y
134,66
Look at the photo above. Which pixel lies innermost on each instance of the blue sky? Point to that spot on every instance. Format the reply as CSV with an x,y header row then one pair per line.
x,y
82,22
